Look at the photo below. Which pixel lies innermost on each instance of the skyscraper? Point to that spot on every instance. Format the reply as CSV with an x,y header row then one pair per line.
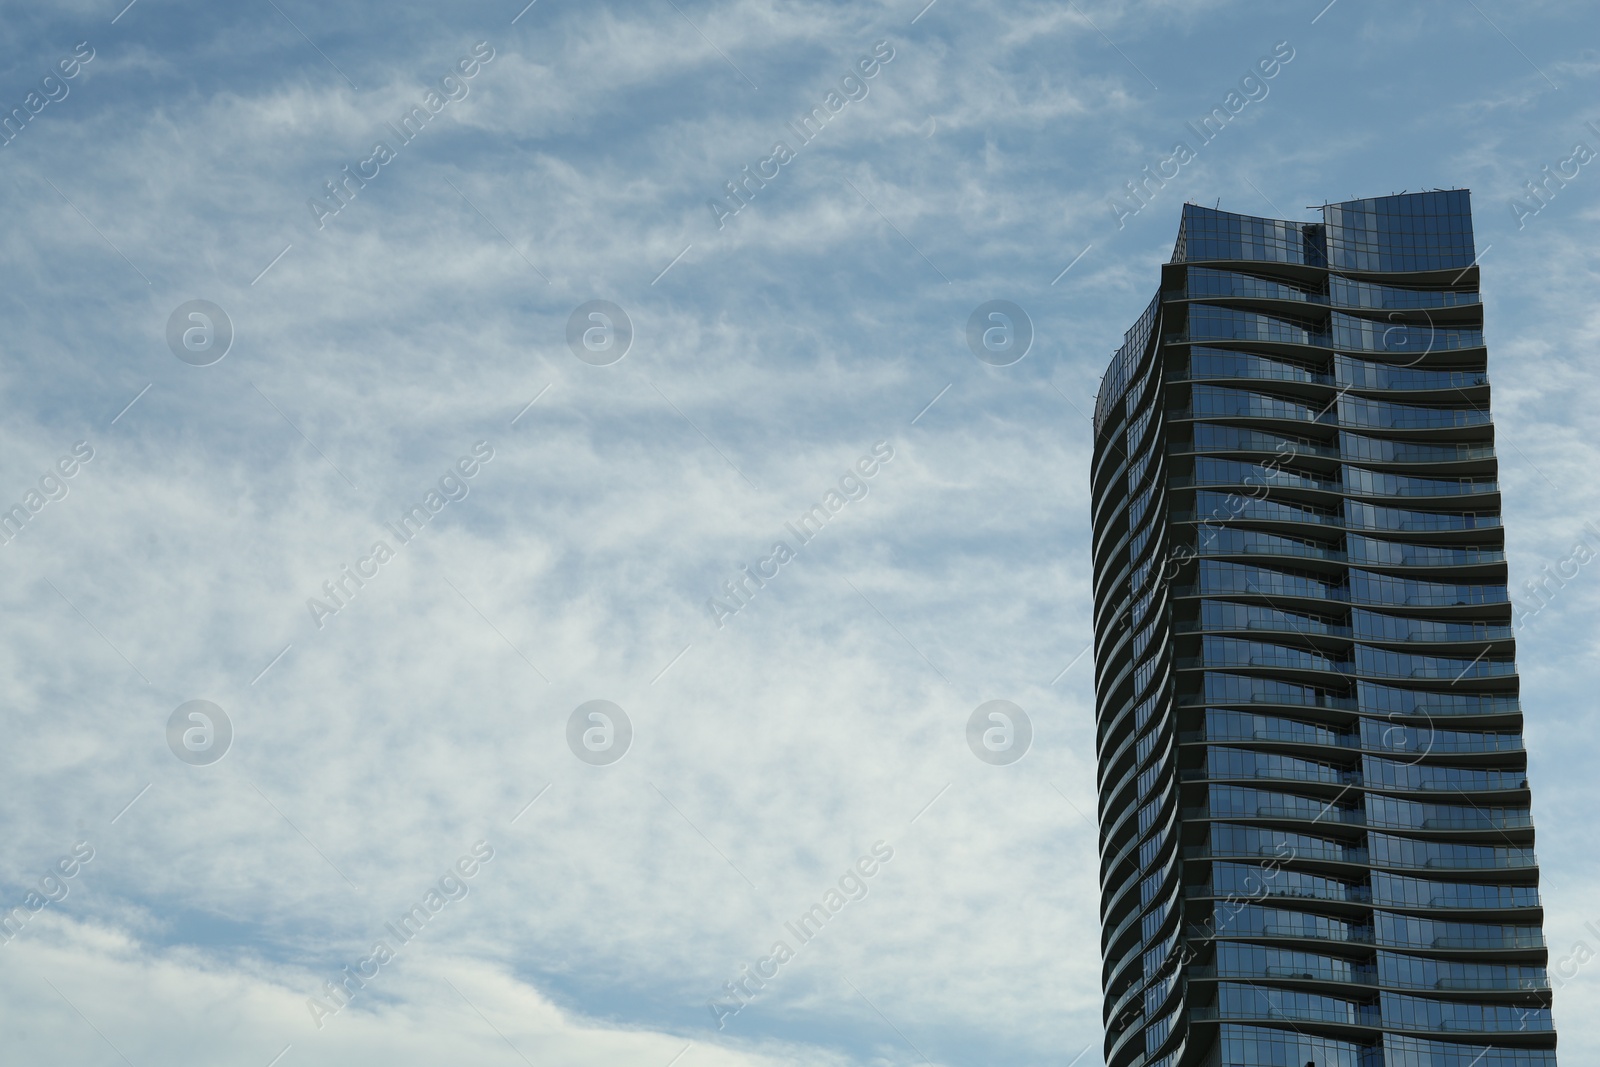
x,y
1315,819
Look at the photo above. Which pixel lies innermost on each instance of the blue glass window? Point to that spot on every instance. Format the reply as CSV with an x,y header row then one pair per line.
x,y
1271,848
1379,735
1239,960
1213,507
1248,763
1210,471
1371,626
1360,516
1380,450
1384,415
1419,1013
1360,374
1221,363
1402,891
1374,699
1407,931
1215,401
1402,1050
1243,882
1223,688
1222,576
1420,231
1224,724
1229,540
1396,814
1380,773
1236,1001
1376,483
1369,588
1403,338
1381,663
1352,293
1233,652
1206,233
1417,972
1256,1046
1405,554
1407,852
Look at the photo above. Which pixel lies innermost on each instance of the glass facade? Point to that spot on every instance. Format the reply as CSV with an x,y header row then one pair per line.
x,y
1317,842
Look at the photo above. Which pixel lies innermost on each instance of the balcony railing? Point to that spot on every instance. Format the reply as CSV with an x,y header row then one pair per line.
x,y
1530,984
1379,376
1285,663
1361,935
1362,1015
1531,939
1297,624
1250,441
1289,548
1443,707
1330,854
1421,556
1317,591
1325,775
1350,894
1285,736
1399,452
1327,813
1305,515
1448,634
1274,481
1354,976
1410,522
1493,783
1455,598
1504,859
1291,699
1497,820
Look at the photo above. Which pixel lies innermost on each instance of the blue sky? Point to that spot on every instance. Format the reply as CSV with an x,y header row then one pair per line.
x,y
771,350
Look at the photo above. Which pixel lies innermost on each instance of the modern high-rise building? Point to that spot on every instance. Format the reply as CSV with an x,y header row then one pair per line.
x,y
1315,819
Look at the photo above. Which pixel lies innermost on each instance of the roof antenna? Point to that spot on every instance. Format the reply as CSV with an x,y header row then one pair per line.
x,y
1219,204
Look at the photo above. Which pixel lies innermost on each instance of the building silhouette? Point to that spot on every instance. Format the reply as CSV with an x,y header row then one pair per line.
x,y
1315,817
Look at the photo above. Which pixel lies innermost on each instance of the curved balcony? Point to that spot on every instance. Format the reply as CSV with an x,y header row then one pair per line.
x,y
1211,323
1305,700
1480,821
1362,449
1362,976
1335,894
1351,293
1348,935
1313,813
1233,474
1214,509
1459,596
1228,615
1356,481
1362,374
1383,700
1371,552
1490,859
1352,1016
1520,940
1369,978
1516,985
1364,413
1351,855
1219,437
1201,282
1362,516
